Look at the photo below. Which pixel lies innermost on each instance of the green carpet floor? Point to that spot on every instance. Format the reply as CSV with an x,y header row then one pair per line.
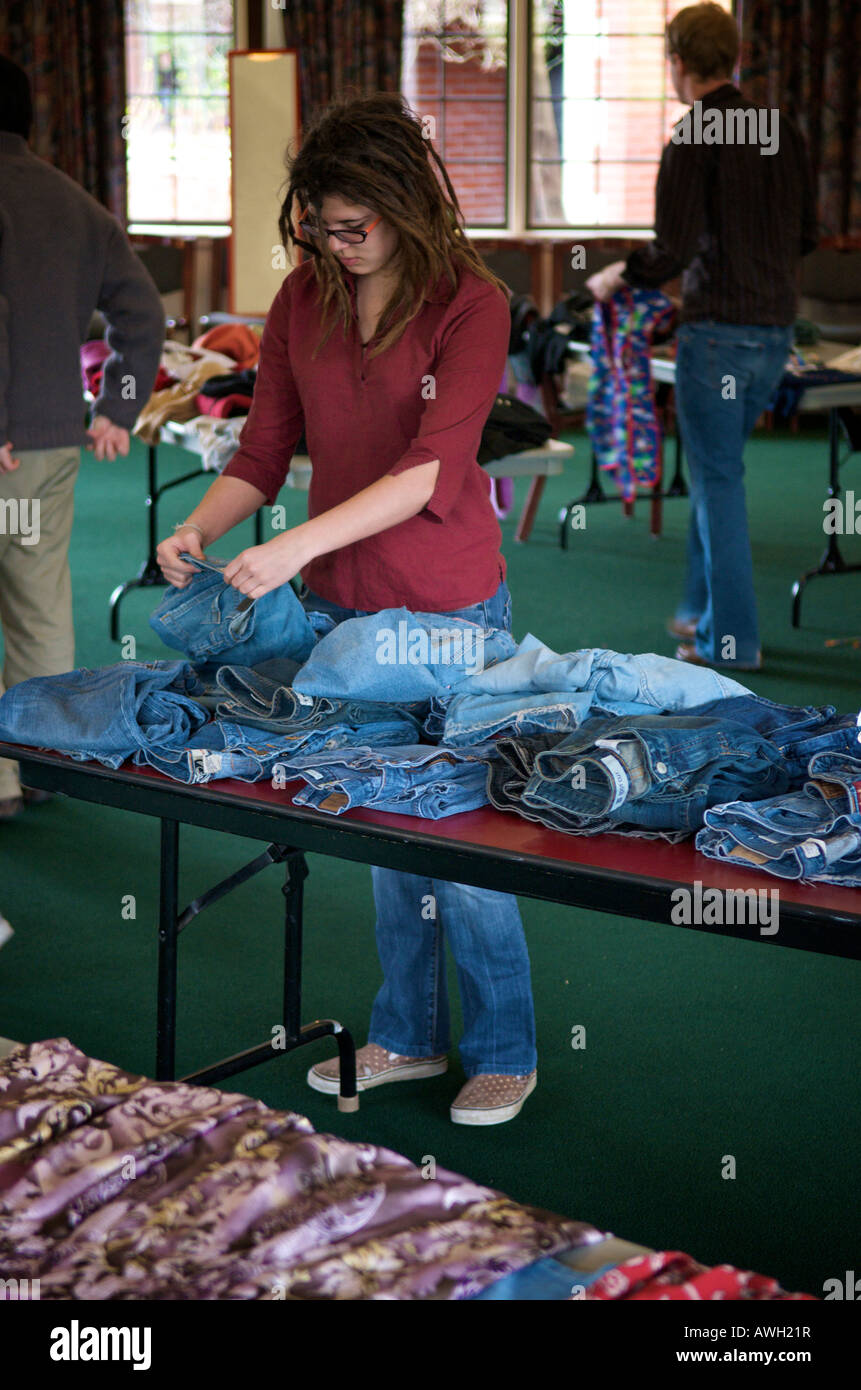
x,y
696,1047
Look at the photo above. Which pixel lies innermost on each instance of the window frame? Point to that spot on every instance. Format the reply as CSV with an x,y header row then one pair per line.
x,y
192,227
483,229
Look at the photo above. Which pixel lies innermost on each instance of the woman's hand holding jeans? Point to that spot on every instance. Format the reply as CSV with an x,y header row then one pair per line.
x,y
176,571
263,567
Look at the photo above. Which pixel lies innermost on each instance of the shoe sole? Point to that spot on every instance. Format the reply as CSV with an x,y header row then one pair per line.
x,y
720,665
331,1086
495,1116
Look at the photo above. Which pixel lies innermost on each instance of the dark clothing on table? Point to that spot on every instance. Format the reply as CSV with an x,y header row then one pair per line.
x,y
735,220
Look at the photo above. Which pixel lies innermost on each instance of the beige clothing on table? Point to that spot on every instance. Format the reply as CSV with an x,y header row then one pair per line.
x,y
35,583
177,402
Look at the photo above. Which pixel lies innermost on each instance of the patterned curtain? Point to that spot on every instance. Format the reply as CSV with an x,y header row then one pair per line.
x,y
805,56
344,46
73,52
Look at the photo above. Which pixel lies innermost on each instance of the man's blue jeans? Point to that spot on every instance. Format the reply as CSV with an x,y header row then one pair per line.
x,y
411,1012
726,376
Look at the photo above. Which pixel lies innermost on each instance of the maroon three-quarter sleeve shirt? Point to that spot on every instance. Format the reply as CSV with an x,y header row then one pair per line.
x,y
426,397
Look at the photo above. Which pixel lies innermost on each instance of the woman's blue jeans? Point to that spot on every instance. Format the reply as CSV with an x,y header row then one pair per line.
x,y
726,376
414,914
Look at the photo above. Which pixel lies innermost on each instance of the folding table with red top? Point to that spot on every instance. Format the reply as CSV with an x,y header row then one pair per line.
x,y
488,848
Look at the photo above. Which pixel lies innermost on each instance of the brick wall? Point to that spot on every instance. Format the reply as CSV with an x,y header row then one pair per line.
x,y
471,132
625,135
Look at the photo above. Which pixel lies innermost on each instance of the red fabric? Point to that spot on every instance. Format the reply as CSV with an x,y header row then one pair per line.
x,y
223,406
367,418
235,340
95,353
163,379
674,1275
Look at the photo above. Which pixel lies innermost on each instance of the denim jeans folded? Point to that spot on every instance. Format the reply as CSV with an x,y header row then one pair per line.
x,y
433,726
829,857
617,680
471,718
256,684
105,714
653,772
223,748
400,656
416,776
265,704
218,750
391,729
509,775
813,833
438,788
446,797
203,620
798,732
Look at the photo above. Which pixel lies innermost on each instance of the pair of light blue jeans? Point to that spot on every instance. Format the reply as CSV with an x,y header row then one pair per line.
x,y
210,620
537,690
401,656
106,714
726,375
415,916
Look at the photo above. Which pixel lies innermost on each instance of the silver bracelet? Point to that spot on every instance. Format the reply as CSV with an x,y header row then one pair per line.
x,y
188,526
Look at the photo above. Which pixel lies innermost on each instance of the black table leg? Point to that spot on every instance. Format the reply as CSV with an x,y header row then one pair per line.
x,y
678,487
149,574
165,1065
831,560
594,493
171,923
296,873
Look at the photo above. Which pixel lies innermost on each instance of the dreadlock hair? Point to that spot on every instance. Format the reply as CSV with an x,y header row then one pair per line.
x,y
371,150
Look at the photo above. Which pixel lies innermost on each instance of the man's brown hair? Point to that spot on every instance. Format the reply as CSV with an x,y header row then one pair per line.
x,y
705,37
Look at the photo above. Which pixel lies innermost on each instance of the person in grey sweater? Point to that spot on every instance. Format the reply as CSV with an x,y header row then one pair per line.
x,y
62,256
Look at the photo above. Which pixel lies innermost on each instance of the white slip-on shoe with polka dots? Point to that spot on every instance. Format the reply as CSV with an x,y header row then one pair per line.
x,y
375,1066
492,1099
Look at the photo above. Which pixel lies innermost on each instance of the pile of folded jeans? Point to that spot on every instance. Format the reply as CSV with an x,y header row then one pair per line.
x,y
656,776
812,834
537,690
429,715
646,775
416,779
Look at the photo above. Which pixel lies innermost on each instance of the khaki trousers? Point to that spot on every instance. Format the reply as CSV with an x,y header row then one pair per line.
x,y
36,511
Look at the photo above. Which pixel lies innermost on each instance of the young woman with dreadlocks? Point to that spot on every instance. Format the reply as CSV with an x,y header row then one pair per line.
x,y
393,297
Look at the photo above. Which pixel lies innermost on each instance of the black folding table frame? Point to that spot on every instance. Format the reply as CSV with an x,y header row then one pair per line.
x,y
841,420
156,798
419,848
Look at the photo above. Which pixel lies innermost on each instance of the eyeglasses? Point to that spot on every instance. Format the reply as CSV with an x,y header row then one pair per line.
x,y
352,236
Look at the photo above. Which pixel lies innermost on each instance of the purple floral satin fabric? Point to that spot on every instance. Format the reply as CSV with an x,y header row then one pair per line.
x,y
116,1187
